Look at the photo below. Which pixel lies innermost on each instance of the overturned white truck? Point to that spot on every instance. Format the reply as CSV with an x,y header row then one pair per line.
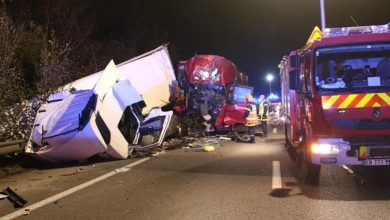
x,y
108,113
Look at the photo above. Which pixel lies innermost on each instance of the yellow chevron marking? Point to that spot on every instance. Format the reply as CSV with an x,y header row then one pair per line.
x,y
376,104
363,152
365,100
384,97
330,101
347,101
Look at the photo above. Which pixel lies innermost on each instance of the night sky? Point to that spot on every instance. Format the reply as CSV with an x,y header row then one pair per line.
x,y
254,34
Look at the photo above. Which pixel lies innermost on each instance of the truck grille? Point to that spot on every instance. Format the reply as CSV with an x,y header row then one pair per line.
x,y
378,142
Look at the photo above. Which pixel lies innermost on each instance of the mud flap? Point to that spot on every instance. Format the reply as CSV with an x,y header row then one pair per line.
x,y
14,198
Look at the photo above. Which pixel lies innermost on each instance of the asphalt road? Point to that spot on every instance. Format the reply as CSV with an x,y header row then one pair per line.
x,y
233,182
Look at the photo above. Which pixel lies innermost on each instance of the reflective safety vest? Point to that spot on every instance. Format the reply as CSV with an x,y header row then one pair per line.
x,y
251,120
263,110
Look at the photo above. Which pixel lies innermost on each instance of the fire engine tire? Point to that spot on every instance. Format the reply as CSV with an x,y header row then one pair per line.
x,y
308,173
288,144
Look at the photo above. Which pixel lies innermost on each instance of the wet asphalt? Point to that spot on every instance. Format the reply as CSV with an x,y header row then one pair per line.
x,y
233,182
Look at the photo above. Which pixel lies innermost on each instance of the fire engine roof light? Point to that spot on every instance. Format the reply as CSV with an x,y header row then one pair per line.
x,y
344,31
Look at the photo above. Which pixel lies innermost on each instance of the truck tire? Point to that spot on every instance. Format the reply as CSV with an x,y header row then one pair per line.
x,y
288,144
308,172
241,133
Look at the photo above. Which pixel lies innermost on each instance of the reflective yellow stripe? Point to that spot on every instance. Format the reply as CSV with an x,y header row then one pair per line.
x,y
365,100
362,100
363,152
384,97
330,101
347,101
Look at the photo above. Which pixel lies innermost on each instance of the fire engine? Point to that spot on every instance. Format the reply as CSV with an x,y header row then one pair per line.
x,y
336,99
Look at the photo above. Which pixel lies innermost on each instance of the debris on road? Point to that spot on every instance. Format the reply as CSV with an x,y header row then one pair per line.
x,y
209,148
159,153
122,170
13,197
3,196
225,138
204,144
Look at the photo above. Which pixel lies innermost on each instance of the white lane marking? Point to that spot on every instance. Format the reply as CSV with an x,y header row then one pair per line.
x,y
348,169
37,205
276,175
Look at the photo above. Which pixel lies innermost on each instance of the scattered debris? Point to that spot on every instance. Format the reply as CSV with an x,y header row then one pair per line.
x,y
27,212
122,170
281,192
225,138
204,144
13,197
209,148
159,153
2,196
174,143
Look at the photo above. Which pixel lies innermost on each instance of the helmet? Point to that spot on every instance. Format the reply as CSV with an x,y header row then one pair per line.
x,y
249,98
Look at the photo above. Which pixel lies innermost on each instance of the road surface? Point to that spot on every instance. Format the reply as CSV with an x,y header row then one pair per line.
x,y
237,181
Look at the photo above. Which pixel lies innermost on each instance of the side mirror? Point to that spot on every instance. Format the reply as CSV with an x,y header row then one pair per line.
x,y
295,81
295,61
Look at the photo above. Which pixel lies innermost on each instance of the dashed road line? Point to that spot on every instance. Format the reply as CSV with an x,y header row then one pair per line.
x,y
276,175
348,169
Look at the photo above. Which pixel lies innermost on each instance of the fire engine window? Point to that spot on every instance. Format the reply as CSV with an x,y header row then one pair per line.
x,y
307,73
352,67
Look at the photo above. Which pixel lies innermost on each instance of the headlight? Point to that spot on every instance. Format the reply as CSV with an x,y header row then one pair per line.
x,y
324,148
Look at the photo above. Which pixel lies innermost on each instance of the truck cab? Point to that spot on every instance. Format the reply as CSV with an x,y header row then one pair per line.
x,y
336,98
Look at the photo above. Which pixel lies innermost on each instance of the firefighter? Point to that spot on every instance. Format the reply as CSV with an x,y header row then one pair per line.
x,y
251,119
263,114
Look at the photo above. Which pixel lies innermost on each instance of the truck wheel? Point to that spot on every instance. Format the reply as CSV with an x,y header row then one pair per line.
x,y
243,137
288,144
308,172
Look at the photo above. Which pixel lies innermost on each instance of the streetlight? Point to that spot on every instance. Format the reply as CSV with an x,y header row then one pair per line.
x,y
269,78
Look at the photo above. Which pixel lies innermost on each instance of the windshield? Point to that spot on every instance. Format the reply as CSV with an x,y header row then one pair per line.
x,y
353,67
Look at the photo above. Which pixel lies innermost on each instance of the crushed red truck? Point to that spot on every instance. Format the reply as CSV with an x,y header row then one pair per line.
x,y
214,91
336,99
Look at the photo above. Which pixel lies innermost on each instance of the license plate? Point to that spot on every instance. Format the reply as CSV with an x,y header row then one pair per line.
x,y
376,162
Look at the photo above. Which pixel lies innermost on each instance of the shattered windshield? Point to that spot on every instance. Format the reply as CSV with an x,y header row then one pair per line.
x,y
353,67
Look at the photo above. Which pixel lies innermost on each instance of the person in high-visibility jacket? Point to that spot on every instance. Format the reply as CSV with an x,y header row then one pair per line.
x,y
263,114
251,117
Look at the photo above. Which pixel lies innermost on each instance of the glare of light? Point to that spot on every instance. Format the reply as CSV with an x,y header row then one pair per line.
x,y
324,148
273,96
269,77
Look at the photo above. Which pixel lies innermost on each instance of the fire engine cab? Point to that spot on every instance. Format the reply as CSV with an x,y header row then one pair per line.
x,y
336,99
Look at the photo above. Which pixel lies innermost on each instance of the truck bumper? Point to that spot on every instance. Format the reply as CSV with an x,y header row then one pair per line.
x,y
337,151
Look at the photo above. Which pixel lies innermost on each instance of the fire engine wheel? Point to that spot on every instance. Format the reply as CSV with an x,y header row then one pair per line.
x,y
243,137
288,144
308,172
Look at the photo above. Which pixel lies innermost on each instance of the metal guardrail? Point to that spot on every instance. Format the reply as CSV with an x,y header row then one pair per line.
x,y
11,147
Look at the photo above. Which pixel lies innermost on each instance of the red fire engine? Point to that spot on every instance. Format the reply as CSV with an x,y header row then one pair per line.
x,y
336,98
